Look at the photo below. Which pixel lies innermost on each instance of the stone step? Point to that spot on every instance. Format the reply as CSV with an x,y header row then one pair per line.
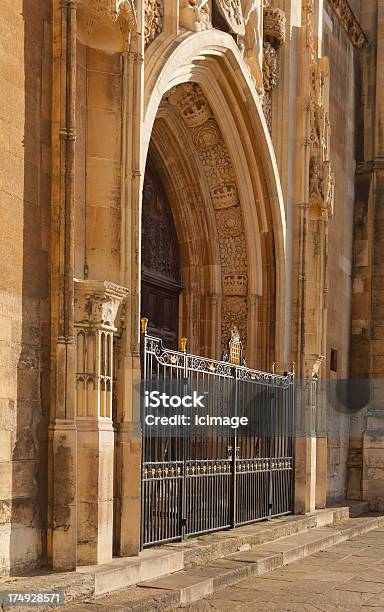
x,y
189,585
170,558
123,572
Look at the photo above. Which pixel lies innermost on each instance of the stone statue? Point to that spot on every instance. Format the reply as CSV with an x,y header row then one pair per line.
x,y
252,41
194,15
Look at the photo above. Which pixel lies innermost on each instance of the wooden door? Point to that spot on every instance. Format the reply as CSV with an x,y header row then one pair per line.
x,y
160,268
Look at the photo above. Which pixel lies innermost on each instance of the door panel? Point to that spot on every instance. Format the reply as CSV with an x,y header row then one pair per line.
x,y
161,276
160,306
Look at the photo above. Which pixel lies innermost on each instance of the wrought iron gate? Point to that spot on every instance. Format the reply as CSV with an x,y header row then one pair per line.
x,y
195,484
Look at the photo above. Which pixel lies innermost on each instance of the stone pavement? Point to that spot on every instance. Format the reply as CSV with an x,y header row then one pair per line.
x,y
348,576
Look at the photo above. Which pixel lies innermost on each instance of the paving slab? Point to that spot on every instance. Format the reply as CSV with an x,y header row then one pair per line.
x,y
314,583
207,566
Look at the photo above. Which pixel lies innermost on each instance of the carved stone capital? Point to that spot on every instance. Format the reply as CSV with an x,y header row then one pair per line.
x,y
97,302
106,24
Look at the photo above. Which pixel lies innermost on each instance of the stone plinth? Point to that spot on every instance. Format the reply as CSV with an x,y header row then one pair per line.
x,y
96,306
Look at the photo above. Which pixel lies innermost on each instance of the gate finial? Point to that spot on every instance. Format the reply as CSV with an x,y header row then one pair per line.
x,y
144,325
183,344
235,347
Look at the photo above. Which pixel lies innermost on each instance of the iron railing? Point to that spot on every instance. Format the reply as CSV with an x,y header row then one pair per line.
x,y
200,482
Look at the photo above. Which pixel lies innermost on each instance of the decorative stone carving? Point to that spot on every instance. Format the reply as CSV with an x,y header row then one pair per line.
x,y
230,222
189,101
245,19
224,196
322,186
96,302
194,15
252,41
274,37
234,314
106,24
96,306
316,367
231,11
153,20
270,79
235,284
233,253
208,135
321,176
270,67
349,23
274,26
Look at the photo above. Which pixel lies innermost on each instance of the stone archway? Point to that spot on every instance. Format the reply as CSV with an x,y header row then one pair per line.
x,y
207,211
227,109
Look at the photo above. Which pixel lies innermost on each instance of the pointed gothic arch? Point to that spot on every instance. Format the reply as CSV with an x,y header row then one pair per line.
x,y
212,67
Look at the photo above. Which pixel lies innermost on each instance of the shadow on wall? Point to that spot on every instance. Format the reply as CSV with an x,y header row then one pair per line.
x,y
28,509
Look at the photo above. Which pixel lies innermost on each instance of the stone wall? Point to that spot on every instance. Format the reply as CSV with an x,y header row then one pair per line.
x,y
343,87
98,149
25,101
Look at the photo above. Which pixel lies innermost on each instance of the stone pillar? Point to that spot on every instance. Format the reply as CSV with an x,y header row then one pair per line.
x,y
62,432
373,450
96,305
305,447
321,444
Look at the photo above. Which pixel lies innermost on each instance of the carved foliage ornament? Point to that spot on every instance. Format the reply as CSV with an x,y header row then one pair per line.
x,y
153,20
270,67
349,23
97,302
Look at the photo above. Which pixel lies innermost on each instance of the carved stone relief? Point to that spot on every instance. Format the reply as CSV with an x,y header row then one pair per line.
x,y
192,107
274,37
349,23
153,20
231,11
321,176
194,15
252,42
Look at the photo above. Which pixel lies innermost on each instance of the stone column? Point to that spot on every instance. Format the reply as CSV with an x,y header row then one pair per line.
x,y
305,446
315,199
128,465
96,305
62,432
